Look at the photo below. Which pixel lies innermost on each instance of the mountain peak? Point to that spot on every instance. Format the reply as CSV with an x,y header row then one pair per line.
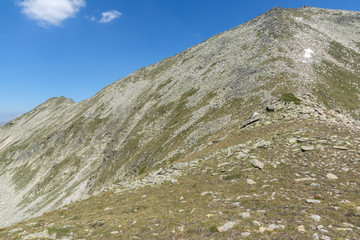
x,y
288,77
60,100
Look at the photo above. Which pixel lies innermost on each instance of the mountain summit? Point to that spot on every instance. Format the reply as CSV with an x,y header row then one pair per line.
x,y
275,95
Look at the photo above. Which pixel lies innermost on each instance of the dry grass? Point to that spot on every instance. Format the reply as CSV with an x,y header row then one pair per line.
x,y
158,213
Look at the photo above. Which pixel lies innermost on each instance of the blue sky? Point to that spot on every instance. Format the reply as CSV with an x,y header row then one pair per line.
x,y
74,48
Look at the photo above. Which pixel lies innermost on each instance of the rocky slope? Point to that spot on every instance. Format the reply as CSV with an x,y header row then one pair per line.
x,y
293,173
280,90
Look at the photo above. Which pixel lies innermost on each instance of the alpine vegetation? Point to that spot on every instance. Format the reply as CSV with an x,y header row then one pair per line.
x,y
253,133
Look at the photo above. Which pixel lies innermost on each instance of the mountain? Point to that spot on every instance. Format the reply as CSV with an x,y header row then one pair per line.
x,y
253,132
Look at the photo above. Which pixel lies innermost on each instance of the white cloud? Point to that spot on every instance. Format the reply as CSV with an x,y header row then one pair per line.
x,y
51,12
109,16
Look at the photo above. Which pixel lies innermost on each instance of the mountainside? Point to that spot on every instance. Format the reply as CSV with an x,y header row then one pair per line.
x,y
280,90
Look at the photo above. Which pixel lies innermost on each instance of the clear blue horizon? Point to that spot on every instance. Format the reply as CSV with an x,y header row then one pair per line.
x,y
74,48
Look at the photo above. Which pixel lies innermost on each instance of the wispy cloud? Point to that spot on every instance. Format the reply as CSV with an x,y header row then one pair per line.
x,y
109,16
51,12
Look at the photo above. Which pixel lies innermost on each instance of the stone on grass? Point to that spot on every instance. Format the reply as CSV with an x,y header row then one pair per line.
x,y
331,176
274,226
321,229
245,215
262,144
340,148
305,179
302,140
229,153
257,164
324,237
22,233
315,217
34,223
255,118
311,201
307,148
211,142
41,235
16,230
315,236
226,226
301,229
251,182
256,223
245,234
263,229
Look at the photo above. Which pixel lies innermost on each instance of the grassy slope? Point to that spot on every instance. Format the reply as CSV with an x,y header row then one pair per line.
x,y
156,212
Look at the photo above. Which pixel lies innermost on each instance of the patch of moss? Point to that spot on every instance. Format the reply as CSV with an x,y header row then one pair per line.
x,y
142,168
186,59
289,97
233,176
213,229
209,69
162,85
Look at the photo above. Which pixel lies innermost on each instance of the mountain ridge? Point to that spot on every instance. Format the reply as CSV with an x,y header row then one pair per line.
x,y
64,151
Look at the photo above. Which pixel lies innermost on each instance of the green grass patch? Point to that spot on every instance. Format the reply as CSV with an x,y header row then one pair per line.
x,y
233,176
289,97
142,168
213,229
